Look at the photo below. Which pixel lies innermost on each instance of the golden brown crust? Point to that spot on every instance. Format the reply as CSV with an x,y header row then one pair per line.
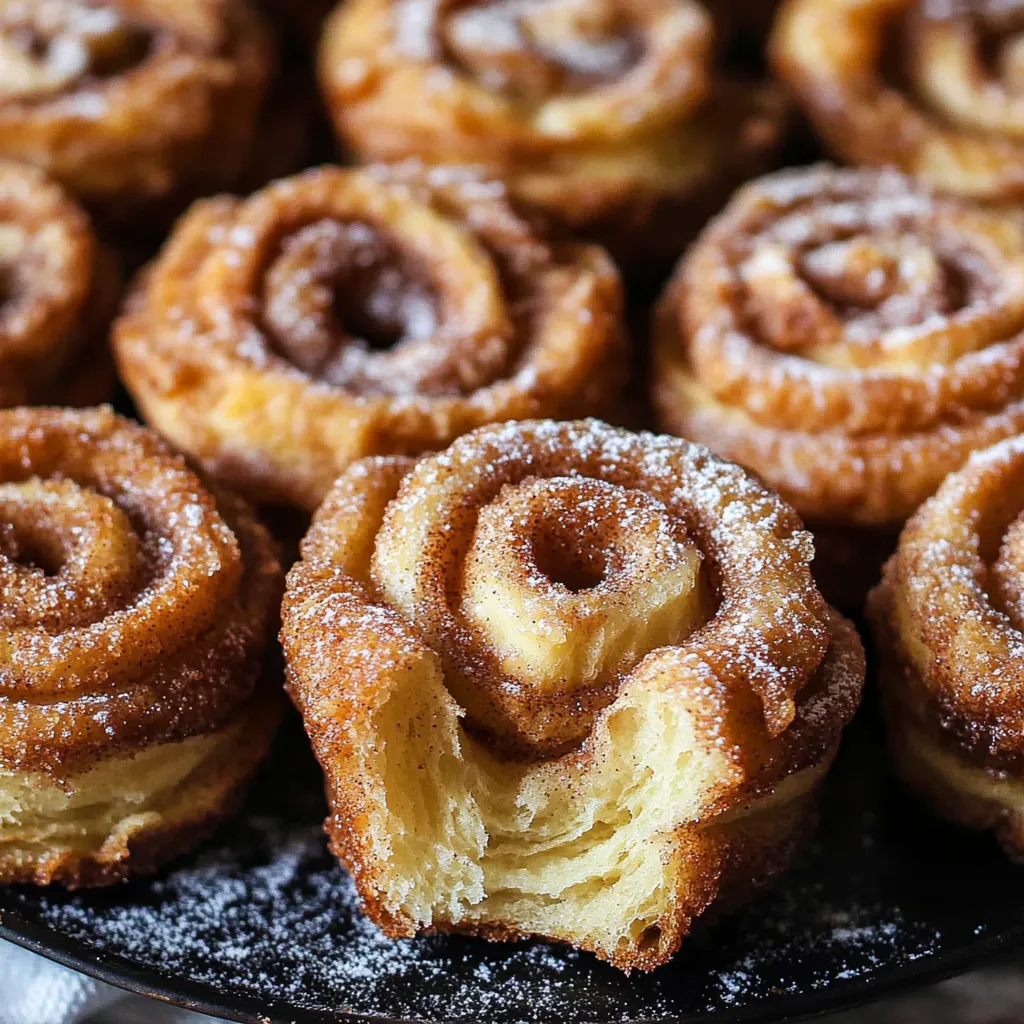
x,y
133,101
948,618
340,314
607,115
59,291
389,590
932,89
848,337
136,604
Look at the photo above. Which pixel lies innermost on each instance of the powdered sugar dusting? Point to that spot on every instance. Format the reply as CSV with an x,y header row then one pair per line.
x,y
265,915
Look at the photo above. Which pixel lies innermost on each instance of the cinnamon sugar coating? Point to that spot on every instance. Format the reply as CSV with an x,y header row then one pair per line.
x,y
58,292
609,115
849,337
134,621
545,612
933,89
339,314
949,619
129,103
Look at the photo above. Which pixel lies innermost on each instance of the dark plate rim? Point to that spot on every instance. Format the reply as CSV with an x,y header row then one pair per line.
x,y
130,976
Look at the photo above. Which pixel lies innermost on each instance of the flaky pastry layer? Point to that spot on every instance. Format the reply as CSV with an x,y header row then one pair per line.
x,y
523,768
127,814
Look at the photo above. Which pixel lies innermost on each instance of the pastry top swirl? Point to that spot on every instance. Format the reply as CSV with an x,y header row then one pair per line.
x,y
121,100
935,89
58,290
951,607
342,313
849,337
545,566
518,74
599,112
136,605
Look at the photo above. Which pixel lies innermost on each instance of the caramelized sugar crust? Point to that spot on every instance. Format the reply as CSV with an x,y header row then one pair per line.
x,y
339,314
587,670
950,623
127,102
134,621
934,89
608,114
58,292
849,337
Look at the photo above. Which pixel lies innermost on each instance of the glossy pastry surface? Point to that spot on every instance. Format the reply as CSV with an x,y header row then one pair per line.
x,y
341,313
135,616
616,686
949,620
610,115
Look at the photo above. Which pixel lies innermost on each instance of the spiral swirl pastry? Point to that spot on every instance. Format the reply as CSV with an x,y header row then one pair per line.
x,y
848,337
605,683
58,292
341,314
949,618
607,114
935,89
134,617
129,102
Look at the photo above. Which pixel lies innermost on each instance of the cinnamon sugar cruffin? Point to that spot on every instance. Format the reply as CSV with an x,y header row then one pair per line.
x,y
949,619
564,680
607,114
341,313
58,293
930,88
135,614
129,102
849,337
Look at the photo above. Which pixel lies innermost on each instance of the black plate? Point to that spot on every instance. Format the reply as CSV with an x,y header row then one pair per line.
x,y
262,924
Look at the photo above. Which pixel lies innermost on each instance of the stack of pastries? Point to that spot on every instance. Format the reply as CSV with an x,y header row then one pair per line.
x,y
564,678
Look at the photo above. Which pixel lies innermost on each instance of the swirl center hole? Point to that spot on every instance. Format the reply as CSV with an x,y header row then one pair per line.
x,y
572,566
339,291
31,550
898,280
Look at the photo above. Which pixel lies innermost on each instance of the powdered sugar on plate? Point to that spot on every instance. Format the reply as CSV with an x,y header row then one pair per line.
x,y
264,917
